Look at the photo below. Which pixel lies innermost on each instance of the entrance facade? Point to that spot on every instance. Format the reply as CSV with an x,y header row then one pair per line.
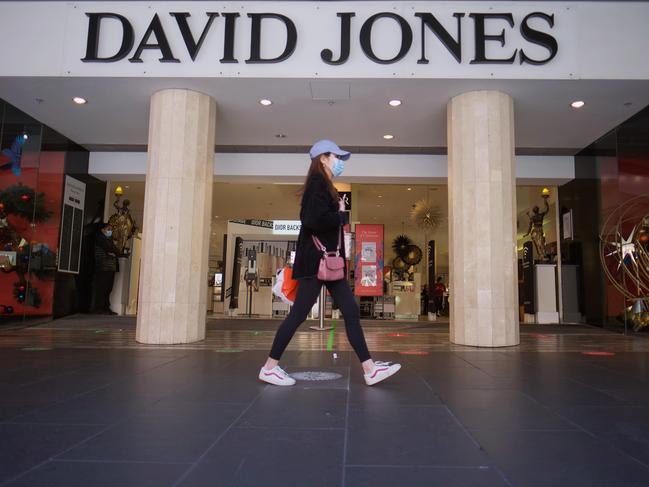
x,y
463,106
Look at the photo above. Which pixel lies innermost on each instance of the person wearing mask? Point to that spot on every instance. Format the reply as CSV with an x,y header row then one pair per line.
x,y
321,215
106,266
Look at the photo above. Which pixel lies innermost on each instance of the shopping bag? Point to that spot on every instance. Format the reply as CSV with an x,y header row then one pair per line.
x,y
285,287
277,287
289,286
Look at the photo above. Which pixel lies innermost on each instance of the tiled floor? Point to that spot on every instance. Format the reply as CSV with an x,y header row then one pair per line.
x,y
81,404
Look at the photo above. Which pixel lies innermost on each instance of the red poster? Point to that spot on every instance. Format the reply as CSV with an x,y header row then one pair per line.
x,y
368,264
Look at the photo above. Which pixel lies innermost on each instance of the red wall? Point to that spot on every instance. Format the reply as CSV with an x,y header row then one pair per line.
x,y
622,178
43,174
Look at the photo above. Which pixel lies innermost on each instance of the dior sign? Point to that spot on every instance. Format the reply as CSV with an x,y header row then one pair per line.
x,y
489,30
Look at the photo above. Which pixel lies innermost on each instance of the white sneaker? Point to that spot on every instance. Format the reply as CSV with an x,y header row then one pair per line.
x,y
381,371
276,376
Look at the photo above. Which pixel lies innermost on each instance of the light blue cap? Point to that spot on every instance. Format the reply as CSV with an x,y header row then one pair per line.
x,y
324,146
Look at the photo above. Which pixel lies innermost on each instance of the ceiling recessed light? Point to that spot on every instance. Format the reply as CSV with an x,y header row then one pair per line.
x,y
265,102
380,196
79,101
280,136
577,104
394,103
409,189
388,137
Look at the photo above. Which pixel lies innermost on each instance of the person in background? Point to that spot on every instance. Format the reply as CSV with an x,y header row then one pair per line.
x,y
438,294
424,300
106,265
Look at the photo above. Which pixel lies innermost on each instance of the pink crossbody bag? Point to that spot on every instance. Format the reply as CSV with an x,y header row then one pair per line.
x,y
332,265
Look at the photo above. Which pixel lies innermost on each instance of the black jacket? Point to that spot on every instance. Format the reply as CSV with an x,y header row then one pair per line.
x,y
106,253
320,217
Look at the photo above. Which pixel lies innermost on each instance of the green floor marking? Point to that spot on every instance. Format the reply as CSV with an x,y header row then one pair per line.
x,y
330,342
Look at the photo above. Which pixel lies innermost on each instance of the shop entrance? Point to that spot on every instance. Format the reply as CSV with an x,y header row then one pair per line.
x,y
260,221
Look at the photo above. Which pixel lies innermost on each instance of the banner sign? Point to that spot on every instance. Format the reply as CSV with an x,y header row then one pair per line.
x,y
236,272
368,264
528,277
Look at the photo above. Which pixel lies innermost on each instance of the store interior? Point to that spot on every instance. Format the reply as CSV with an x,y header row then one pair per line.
x,y
246,210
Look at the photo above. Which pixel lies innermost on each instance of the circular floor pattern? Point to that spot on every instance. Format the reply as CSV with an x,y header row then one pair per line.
x,y
316,376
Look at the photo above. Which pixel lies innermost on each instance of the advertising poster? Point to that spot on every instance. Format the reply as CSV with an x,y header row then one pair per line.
x,y
368,264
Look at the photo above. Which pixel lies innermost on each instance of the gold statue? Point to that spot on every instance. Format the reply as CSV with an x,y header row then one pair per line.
x,y
123,224
536,226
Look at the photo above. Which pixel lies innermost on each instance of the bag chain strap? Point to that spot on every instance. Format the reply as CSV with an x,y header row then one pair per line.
x,y
322,248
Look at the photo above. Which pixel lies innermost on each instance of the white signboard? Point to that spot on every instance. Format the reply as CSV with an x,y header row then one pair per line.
x,y
74,197
567,225
419,39
74,193
286,227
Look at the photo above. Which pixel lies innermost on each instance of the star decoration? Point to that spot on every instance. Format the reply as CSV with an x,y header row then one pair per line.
x,y
626,248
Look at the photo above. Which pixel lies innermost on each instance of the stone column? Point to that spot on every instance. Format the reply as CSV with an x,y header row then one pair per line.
x,y
177,216
482,220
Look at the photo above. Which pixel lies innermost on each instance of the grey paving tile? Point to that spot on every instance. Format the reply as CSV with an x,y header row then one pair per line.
x,y
104,406
223,388
161,434
560,391
273,458
292,407
409,435
550,458
633,396
502,409
382,476
98,474
625,427
24,446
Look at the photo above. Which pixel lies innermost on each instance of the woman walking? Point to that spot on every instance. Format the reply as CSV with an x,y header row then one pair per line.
x,y
322,221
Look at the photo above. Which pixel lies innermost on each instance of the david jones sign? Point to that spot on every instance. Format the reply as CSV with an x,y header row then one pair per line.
x,y
535,29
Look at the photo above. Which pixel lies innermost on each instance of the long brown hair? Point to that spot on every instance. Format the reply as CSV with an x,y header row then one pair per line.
x,y
317,167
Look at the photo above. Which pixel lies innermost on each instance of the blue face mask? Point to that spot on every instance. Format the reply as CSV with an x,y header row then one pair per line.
x,y
109,233
338,168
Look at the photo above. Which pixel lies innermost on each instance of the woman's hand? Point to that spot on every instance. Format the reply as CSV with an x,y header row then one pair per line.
x,y
341,204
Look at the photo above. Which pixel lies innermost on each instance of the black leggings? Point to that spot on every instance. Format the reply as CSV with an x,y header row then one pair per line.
x,y
307,293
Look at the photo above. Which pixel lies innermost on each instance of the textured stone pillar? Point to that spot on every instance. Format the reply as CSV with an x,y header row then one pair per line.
x,y
177,213
482,220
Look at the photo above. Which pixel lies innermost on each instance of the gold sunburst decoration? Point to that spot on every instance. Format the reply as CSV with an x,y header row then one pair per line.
x,y
425,215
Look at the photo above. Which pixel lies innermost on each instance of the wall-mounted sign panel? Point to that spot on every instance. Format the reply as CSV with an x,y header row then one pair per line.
x,y
286,227
471,40
74,196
